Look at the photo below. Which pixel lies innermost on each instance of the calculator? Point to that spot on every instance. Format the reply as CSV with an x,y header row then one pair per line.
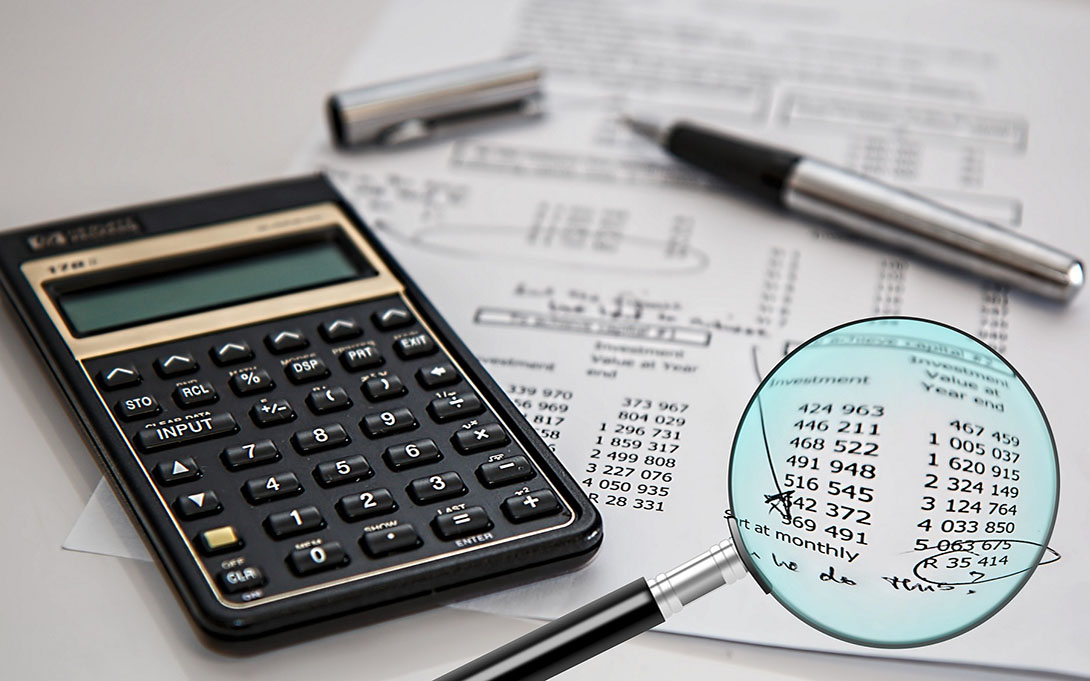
x,y
296,429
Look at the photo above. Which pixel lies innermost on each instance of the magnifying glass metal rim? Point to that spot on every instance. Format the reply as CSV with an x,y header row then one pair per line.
x,y
759,576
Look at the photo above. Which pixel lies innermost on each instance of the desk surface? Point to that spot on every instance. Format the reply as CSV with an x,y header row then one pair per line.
x,y
120,102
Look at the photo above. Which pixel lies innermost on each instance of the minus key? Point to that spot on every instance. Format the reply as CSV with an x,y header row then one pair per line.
x,y
505,471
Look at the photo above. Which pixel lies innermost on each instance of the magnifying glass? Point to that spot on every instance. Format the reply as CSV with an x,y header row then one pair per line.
x,y
893,483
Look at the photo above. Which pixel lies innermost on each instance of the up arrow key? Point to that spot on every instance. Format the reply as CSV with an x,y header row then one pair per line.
x,y
118,377
177,471
392,318
197,498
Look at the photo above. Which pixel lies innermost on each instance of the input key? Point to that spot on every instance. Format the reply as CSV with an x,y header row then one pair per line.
x,y
203,427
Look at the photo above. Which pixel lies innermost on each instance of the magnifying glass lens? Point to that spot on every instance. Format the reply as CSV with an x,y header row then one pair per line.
x,y
895,482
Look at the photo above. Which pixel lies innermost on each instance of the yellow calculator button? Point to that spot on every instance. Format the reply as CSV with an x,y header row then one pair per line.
x,y
219,539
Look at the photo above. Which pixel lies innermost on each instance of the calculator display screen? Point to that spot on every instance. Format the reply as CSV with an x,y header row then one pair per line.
x,y
204,286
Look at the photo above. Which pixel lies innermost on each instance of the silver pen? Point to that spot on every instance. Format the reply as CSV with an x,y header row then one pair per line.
x,y
871,209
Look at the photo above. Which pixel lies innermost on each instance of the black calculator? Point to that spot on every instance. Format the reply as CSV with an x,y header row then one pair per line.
x,y
294,426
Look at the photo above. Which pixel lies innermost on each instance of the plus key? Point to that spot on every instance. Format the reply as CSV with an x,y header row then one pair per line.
x,y
536,504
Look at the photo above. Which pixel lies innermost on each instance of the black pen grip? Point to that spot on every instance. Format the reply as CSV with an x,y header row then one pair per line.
x,y
754,168
566,642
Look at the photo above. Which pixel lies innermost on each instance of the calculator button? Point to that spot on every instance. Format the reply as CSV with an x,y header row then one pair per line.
x,y
388,422
317,558
358,359
137,407
383,388
241,579
175,365
523,507
416,345
272,413
480,438
219,539
250,454
412,454
198,504
392,318
505,471
304,370
231,353
438,375
454,407
390,540
177,470
366,504
436,488
286,341
325,400
118,377
251,381
295,521
320,438
195,394
342,471
340,329
183,432
276,486
461,523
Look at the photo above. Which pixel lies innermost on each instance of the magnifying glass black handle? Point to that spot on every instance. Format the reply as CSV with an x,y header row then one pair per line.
x,y
612,619
564,643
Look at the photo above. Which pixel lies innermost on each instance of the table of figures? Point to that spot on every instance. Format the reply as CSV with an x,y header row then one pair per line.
x,y
894,482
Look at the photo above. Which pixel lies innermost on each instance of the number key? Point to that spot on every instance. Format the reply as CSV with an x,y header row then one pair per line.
x,y
295,521
388,422
366,504
250,454
276,486
320,438
317,558
436,488
412,454
342,471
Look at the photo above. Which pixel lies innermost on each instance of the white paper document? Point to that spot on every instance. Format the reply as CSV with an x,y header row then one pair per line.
x,y
630,305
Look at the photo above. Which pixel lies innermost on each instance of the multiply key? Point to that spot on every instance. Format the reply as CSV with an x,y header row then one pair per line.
x,y
479,438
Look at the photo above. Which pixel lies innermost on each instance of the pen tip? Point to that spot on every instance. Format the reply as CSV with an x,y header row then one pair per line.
x,y
644,125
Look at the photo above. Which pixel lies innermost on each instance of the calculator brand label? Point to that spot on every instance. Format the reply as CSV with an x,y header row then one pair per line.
x,y
91,232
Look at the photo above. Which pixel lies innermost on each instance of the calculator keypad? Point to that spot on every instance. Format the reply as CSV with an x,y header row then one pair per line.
x,y
322,446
